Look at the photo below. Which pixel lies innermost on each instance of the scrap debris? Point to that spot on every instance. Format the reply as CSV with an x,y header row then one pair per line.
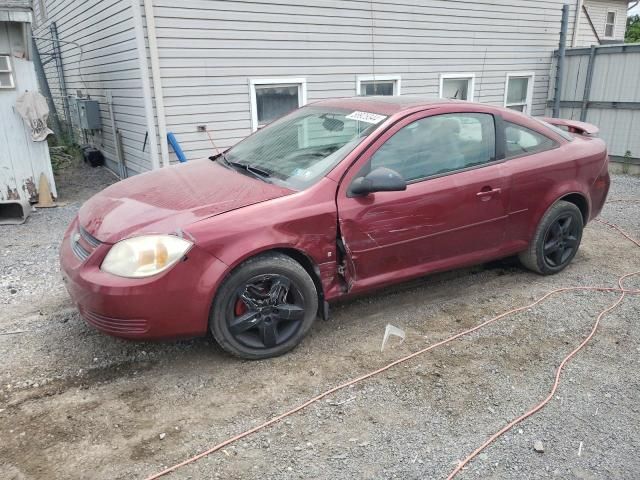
x,y
389,331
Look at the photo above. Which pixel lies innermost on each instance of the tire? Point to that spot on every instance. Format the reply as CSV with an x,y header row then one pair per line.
x,y
556,240
264,308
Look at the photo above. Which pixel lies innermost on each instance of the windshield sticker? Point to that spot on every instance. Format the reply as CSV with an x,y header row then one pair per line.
x,y
366,117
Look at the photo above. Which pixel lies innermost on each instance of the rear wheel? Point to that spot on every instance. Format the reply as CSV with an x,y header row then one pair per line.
x,y
556,240
264,308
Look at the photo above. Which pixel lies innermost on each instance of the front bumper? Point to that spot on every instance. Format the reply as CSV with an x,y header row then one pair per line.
x,y
173,304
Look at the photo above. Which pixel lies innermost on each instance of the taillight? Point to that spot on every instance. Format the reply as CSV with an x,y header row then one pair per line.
x,y
601,183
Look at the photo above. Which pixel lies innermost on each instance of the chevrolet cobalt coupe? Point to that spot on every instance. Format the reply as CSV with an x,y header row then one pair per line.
x,y
334,199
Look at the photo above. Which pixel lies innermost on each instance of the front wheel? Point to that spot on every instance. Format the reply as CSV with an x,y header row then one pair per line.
x,y
556,240
264,308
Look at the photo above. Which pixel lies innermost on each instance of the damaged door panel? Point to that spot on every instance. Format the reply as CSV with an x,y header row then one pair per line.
x,y
437,222
346,269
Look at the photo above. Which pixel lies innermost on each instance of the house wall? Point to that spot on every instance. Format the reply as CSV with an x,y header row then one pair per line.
x,y
210,49
598,13
102,57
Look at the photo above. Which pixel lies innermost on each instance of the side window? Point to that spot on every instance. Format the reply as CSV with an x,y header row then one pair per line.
x,y
379,85
523,141
6,75
610,25
438,144
273,98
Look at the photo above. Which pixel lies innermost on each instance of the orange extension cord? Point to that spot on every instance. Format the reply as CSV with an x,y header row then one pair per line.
x,y
623,292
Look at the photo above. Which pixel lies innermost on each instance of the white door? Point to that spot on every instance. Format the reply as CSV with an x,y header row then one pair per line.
x,y
21,159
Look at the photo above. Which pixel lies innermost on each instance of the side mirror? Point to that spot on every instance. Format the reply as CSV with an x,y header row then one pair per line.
x,y
379,180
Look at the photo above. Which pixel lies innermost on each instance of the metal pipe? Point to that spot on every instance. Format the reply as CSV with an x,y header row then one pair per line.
x,y
146,86
587,84
57,57
593,27
118,138
157,80
560,62
176,147
44,87
576,23
114,130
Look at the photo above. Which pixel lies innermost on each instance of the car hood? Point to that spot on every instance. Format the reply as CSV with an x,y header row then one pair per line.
x,y
169,199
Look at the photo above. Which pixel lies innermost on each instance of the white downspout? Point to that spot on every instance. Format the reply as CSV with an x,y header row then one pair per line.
x,y
146,86
576,23
157,80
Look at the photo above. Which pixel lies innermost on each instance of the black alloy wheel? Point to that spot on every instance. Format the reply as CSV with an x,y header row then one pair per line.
x,y
556,239
561,241
264,308
267,311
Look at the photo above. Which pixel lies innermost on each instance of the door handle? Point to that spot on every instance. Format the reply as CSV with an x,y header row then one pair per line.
x,y
487,192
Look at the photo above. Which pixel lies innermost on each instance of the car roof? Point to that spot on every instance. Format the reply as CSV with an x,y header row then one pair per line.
x,y
387,105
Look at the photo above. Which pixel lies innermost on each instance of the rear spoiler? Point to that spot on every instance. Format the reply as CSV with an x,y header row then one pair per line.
x,y
573,126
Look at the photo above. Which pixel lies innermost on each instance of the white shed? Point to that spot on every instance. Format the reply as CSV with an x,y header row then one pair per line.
x,y
22,160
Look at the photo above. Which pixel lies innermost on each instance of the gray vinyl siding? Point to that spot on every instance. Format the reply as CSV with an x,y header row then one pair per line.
x,y
615,79
598,13
209,50
108,62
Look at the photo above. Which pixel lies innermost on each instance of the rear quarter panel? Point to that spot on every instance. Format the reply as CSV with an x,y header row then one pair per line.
x,y
542,179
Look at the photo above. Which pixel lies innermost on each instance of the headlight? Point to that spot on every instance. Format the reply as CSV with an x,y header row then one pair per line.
x,y
144,256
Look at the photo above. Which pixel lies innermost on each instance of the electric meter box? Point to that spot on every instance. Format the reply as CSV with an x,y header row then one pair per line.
x,y
88,114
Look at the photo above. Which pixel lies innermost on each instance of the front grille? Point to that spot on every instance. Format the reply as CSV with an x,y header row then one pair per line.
x,y
115,326
79,250
83,243
89,238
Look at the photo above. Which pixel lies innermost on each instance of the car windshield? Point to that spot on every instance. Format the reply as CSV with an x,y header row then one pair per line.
x,y
297,150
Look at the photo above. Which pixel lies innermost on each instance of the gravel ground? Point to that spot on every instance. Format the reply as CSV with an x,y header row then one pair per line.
x,y
75,403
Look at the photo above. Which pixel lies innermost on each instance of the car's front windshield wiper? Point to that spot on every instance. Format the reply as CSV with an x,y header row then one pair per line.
x,y
218,155
253,169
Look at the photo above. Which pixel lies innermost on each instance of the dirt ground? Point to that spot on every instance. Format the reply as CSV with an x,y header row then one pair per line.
x,y
75,403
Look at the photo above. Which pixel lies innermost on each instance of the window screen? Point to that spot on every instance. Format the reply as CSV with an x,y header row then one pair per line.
x,y
458,88
438,144
524,141
274,101
378,87
610,25
6,74
517,93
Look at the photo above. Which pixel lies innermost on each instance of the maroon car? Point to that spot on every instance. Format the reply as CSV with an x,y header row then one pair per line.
x,y
334,199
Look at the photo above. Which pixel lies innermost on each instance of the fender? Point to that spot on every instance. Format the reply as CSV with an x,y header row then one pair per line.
x,y
305,225
554,195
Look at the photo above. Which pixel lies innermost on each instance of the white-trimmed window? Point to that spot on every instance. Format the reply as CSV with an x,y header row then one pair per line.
x,y
271,98
6,73
459,86
378,85
610,25
518,91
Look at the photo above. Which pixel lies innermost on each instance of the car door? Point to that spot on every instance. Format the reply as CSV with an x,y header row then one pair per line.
x,y
453,211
